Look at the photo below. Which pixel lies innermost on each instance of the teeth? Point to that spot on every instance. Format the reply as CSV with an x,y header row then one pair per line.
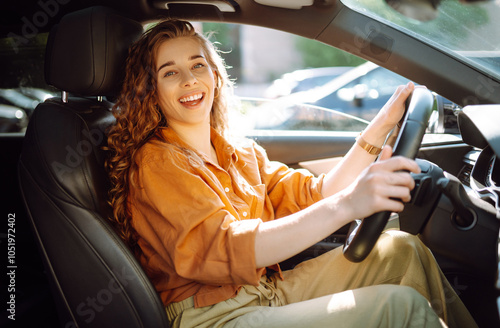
x,y
191,98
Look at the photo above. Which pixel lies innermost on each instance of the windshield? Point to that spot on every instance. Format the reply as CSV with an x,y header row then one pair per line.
x,y
470,32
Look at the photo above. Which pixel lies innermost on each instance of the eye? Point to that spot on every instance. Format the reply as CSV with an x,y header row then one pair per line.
x,y
169,73
199,65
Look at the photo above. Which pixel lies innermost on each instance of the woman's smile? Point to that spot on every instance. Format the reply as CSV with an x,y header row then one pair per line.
x,y
192,100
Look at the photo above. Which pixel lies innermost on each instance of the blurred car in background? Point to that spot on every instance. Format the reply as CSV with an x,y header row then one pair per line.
x,y
303,80
12,119
17,105
359,91
346,102
282,115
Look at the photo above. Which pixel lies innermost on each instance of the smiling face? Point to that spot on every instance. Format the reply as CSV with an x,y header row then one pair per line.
x,y
185,82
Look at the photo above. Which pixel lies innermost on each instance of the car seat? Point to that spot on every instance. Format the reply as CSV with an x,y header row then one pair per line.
x,y
95,279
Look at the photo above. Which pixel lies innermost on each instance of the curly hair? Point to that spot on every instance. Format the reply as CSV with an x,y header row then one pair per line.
x,y
138,116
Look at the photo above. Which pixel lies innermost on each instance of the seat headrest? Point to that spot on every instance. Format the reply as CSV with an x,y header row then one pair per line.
x,y
87,50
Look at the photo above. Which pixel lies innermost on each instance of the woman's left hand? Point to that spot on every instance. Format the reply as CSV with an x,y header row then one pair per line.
x,y
387,118
393,110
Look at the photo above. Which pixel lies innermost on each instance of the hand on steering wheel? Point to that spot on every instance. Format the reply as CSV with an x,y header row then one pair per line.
x,y
418,110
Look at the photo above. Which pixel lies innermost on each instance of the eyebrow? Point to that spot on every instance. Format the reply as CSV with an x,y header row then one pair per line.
x,y
170,63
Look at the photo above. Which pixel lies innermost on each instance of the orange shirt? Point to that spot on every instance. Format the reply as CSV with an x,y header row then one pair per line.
x,y
197,221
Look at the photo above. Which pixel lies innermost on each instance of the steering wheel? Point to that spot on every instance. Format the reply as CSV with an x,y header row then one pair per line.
x,y
418,110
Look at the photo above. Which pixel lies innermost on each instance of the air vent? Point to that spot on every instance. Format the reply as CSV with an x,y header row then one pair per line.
x,y
465,173
469,161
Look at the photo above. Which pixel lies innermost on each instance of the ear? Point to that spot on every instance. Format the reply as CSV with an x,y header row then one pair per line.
x,y
216,77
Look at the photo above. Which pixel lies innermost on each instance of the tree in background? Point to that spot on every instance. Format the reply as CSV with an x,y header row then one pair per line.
x,y
317,54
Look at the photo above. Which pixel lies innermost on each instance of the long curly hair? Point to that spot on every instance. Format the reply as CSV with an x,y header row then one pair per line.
x,y
138,116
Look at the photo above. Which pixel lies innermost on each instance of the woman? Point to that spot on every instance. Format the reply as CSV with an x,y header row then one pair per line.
x,y
210,219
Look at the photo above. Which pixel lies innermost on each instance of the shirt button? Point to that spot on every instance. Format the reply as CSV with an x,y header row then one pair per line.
x,y
226,189
245,214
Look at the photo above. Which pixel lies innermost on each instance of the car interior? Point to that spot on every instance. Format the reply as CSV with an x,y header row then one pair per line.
x,y
72,269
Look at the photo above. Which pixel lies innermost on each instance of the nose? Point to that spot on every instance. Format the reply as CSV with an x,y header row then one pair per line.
x,y
188,78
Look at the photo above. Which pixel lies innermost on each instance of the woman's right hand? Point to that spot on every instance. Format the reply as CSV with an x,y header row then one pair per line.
x,y
383,186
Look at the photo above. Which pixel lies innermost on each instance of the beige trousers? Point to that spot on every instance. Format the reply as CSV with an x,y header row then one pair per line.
x,y
398,285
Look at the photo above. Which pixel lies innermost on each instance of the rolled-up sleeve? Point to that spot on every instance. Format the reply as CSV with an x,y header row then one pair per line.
x,y
290,190
186,225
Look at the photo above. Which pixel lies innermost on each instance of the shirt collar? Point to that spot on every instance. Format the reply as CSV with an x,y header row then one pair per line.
x,y
225,151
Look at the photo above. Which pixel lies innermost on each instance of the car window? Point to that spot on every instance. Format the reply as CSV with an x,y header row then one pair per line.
x,y
381,82
264,114
286,82
22,86
279,77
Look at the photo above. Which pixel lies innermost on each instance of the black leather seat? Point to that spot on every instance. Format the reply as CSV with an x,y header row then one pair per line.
x,y
95,279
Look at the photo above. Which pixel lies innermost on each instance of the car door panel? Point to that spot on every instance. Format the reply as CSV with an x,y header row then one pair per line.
x,y
320,151
296,147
